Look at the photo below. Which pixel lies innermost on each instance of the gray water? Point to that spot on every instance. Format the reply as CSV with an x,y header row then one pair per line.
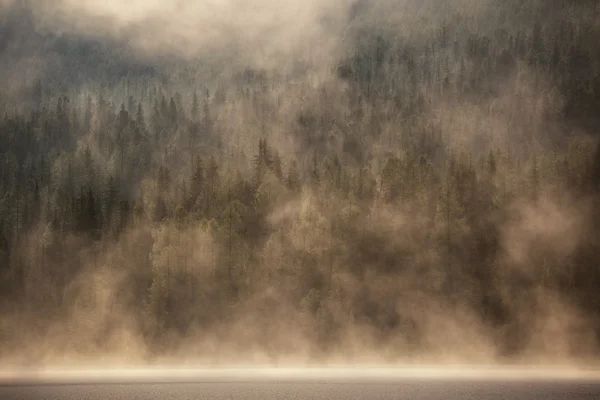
x,y
342,390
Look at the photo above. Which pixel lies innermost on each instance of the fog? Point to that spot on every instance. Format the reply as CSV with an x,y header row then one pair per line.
x,y
298,183
264,33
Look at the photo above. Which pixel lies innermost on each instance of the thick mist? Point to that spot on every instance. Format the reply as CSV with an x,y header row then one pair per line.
x,y
263,33
299,183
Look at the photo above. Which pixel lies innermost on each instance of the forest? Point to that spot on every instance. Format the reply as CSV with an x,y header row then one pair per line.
x,y
429,189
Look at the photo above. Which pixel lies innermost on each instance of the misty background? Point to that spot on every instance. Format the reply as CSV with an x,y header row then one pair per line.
x,y
260,181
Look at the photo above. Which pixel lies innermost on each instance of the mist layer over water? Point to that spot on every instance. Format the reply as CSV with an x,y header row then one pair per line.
x,y
259,374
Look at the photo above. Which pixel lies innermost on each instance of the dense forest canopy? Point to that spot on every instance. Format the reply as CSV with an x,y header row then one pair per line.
x,y
361,181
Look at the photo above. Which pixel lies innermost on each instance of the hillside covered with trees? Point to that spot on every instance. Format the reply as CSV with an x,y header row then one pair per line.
x,y
432,191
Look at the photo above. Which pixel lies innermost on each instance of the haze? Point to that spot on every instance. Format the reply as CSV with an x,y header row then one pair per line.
x,y
299,183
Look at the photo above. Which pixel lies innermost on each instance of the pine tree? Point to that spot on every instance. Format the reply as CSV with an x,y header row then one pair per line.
x,y
292,179
195,107
197,182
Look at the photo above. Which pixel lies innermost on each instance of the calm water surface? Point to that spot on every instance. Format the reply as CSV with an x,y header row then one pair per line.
x,y
296,390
